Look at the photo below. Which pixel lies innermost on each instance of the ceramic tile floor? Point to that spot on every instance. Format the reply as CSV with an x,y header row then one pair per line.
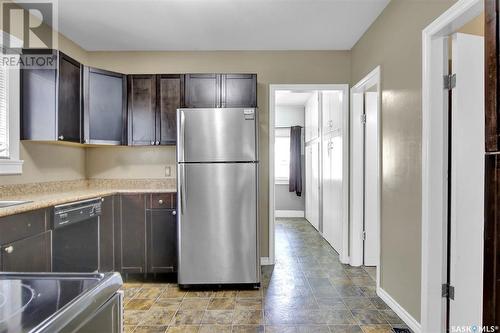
x,y
308,290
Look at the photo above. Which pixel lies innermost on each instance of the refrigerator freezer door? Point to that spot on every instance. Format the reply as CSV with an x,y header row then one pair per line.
x,y
216,135
218,223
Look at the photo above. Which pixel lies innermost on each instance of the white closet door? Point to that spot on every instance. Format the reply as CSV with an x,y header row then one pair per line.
x,y
467,180
331,106
332,190
312,184
312,118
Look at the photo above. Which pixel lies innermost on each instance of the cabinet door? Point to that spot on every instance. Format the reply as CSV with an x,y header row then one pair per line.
x,y
106,235
312,184
239,90
104,106
32,254
69,99
162,240
130,235
202,90
312,118
141,109
170,92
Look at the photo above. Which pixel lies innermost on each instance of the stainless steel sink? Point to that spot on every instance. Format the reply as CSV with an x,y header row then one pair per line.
x,y
8,203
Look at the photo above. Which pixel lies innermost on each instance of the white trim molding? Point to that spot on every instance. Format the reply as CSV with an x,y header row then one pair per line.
x,y
289,213
400,311
265,261
434,158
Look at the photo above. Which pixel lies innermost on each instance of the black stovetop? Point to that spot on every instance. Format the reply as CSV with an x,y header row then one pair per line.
x,y
27,301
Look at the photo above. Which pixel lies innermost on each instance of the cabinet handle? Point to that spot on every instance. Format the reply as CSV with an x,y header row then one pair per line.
x,y
174,212
61,137
157,143
152,143
9,249
160,202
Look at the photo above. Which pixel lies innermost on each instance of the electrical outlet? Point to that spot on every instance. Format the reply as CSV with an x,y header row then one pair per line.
x,y
168,171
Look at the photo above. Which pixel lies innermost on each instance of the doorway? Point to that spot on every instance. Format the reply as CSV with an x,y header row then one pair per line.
x,y
321,114
365,172
453,151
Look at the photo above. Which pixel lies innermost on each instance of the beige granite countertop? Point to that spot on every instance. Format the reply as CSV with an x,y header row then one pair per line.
x,y
43,195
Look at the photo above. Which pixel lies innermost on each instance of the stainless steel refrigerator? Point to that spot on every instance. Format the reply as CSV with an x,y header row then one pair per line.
x,y
217,184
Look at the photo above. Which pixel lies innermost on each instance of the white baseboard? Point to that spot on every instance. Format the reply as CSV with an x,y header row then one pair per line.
x,y
289,213
400,311
265,261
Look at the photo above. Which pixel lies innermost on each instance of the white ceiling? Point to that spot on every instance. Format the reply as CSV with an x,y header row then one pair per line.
x,y
291,98
217,24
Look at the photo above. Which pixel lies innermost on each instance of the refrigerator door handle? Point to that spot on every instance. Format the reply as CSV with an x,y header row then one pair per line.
x,y
182,186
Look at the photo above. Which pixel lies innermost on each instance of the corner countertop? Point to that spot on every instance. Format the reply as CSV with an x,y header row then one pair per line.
x,y
48,194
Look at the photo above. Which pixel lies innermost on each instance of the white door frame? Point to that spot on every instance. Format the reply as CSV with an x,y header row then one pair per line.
x,y
434,158
345,225
356,226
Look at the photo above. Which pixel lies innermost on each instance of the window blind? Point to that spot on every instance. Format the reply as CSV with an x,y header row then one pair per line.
x,y
4,116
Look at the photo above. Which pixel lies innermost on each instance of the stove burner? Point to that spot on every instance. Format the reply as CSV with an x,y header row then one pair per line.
x,y
19,296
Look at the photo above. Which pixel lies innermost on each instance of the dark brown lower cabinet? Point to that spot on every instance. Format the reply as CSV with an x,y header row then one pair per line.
x,y
130,234
32,254
162,240
491,274
107,235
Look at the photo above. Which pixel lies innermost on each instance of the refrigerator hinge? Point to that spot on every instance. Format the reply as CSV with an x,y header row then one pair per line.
x,y
363,118
448,291
450,81
363,235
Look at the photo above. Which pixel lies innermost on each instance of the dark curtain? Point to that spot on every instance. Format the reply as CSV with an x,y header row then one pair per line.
x,y
295,182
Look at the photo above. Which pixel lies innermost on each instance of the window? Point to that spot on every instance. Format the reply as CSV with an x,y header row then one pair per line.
x,y
9,119
4,116
282,158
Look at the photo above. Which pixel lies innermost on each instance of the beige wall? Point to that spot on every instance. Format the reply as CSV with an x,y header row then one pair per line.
x,y
130,162
394,42
45,162
272,67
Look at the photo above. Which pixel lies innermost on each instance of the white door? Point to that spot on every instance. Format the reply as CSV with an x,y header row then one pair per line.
x,y
333,190
312,184
312,118
333,180
357,180
371,204
467,181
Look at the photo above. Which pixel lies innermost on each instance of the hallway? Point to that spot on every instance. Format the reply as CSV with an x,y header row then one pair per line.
x,y
308,290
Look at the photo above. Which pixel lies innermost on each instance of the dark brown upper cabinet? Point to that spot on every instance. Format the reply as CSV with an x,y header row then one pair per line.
x,y
141,109
153,101
202,90
51,101
170,97
104,106
239,90
221,90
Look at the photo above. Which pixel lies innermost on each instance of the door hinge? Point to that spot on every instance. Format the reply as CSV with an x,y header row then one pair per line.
x,y
448,291
363,235
450,81
363,118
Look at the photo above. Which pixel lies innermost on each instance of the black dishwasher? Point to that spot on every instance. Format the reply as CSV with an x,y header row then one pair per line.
x,y
75,245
